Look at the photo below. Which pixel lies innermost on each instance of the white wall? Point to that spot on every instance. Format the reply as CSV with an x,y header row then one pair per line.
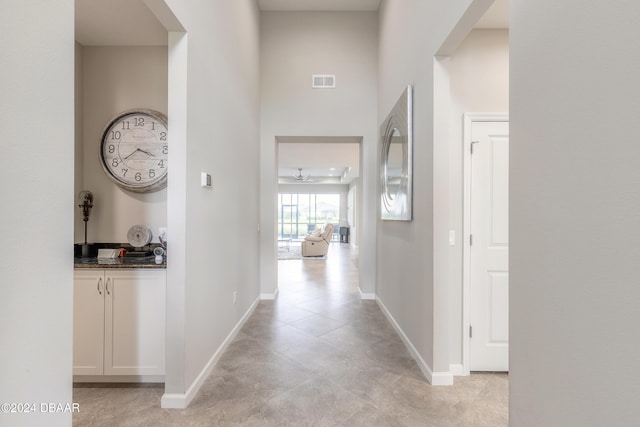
x,y
575,211
109,88
479,83
36,220
295,45
217,228
411,32
78,159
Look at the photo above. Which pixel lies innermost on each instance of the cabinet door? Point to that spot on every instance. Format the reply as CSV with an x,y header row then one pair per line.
x,y
88,322
135,322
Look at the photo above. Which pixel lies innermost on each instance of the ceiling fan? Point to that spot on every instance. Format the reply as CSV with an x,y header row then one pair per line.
x,y
302,178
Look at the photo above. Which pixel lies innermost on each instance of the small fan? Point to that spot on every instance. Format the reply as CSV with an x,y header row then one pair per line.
x,y
139,236
302,178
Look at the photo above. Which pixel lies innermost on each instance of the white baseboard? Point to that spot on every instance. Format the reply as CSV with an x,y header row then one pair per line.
x,y
270,296
457,370
434,378
118,379
441,378
182,400
366,296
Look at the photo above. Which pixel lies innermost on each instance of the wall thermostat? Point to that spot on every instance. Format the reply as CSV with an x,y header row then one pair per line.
x,y
205,180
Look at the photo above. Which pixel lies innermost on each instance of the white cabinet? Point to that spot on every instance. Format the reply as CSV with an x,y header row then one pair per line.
x,y
88,322
119,322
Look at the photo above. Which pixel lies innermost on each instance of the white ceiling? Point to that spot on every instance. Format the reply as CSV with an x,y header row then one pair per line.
x,y
496,17
104,23
319,5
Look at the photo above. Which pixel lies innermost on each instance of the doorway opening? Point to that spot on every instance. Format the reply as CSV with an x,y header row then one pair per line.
x,y
318,180
471,72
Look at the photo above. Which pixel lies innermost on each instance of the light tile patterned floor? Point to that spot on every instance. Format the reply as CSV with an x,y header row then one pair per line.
x,y
317,356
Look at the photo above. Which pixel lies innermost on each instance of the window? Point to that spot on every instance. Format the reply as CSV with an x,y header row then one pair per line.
x,y
299,214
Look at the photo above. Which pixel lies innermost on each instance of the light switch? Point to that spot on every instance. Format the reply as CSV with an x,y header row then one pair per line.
x,y
205,180
452,237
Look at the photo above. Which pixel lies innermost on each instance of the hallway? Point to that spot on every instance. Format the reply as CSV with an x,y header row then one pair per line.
x,y
318,355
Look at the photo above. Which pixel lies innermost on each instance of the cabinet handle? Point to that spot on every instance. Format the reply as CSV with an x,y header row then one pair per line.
x,y
99,282
107,286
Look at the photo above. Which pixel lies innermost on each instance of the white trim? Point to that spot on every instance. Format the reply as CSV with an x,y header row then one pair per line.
x,y
457,370
182,400
469,119
269,297
365,295
434,378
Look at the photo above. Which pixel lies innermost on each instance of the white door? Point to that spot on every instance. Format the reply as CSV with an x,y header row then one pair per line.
x,y
489,247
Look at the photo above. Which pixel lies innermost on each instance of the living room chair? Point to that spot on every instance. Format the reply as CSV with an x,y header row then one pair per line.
x,y
317,243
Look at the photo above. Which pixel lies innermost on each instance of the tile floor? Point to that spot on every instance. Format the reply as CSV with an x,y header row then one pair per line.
x,y
317,356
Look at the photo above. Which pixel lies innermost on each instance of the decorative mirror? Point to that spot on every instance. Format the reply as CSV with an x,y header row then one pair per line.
x,y
396,146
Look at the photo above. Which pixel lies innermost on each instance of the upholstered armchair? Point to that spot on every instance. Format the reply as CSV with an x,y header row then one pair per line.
x,y
317,244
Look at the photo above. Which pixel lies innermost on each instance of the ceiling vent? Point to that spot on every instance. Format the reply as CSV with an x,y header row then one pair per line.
x,y
323,81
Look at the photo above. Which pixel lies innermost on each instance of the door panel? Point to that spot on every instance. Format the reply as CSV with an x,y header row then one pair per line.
x,y
489,251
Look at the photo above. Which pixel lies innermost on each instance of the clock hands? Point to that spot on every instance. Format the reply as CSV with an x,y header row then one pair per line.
x,y
140,150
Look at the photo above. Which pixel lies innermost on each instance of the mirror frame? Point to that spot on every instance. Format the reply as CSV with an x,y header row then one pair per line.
x,y
399,206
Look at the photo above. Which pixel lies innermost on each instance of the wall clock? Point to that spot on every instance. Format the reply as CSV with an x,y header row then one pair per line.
x,y
134,150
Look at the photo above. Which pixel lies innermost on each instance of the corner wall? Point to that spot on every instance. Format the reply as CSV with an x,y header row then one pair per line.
x,y
36,219
411,33
575,213
479,83
218,237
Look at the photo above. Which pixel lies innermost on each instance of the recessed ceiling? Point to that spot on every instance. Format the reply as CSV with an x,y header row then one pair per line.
x,y
326,160
319,5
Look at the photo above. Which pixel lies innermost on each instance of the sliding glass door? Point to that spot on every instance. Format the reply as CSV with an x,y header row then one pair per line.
x,y
299,214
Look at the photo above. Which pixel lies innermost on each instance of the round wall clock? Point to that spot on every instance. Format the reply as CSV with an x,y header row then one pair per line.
x,y
134,150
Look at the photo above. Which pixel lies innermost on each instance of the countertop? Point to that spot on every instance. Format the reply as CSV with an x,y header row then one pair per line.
x,y
122,262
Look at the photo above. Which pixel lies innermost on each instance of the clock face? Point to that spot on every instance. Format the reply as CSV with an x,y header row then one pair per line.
x,y
134,151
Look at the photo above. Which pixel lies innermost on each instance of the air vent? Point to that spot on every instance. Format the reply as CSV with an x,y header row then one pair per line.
x,y
323,81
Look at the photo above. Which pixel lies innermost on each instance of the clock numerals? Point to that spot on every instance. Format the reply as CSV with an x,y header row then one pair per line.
x,y
134,151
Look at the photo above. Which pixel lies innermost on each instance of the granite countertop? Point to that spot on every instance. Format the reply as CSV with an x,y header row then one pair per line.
x,y
122,262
